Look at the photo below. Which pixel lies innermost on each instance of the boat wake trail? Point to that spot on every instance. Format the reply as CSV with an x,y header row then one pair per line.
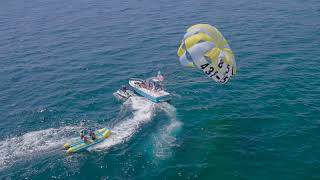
x,y
33,143
143,112
165,139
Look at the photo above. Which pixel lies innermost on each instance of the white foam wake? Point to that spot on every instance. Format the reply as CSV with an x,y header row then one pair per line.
x,y
33,143
143,111
48,140
166,139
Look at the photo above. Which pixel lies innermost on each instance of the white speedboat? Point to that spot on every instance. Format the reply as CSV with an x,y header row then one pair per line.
x,y
151,88
123,94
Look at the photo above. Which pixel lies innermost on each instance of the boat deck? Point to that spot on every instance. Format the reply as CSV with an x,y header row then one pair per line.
x,y
155,94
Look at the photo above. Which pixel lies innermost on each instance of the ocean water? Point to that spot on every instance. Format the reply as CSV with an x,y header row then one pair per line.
x,y
60,62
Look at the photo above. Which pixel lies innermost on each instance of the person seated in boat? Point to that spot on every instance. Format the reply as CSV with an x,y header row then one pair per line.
x,y
85,139
150,85
159,81
157,87
82,134
160,86
124,88
143,85
92,135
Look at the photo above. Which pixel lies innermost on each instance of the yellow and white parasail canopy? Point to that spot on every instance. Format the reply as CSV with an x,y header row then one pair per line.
x,y
204,47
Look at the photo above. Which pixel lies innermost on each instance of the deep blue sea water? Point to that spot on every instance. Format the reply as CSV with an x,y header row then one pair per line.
x,y
60,62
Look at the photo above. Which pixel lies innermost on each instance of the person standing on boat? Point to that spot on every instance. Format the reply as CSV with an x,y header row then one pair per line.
x,y
159,85
160,77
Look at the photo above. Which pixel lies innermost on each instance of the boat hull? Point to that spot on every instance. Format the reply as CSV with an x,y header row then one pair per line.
x,y
120,95
165,96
